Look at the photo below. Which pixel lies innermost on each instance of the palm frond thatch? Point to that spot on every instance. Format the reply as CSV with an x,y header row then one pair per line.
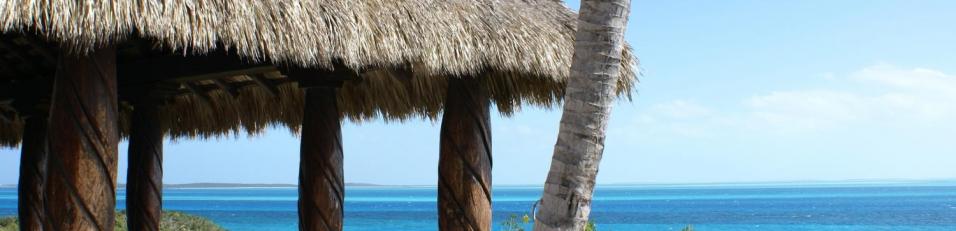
x,y
521,50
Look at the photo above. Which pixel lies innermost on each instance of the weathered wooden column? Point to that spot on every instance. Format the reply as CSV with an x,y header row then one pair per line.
x,y
321,180
81,183
33,168
144,188
464,163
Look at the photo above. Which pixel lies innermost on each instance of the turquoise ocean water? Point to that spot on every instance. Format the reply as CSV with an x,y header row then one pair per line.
x,y
843,206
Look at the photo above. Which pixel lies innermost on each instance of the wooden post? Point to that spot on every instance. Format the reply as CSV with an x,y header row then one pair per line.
x,y
33,171
464,163
81,185
321,182
144,198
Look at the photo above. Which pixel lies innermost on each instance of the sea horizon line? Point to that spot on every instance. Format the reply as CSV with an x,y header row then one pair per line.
x,y
849,182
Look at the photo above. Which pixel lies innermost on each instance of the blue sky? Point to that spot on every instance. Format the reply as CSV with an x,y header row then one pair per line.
x,y
733,91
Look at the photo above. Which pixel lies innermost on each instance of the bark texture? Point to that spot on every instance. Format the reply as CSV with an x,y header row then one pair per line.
x,y
33,173
81,185
321,182
144,198
595,68
464,164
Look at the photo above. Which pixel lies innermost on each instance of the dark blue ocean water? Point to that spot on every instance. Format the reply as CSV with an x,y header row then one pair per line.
x,y
710,207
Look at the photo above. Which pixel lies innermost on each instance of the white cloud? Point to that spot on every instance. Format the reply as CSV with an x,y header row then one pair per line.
x,y
877,93
874,97
802,110
917,79
677,117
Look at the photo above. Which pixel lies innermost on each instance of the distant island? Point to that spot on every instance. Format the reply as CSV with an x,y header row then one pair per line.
x,y
856,182
237,185
231,185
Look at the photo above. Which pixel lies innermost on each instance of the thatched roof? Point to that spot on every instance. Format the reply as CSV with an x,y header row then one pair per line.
x,y
404,48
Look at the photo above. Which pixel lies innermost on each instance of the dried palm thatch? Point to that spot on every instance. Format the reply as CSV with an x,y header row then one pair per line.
x,y
405,50
218,112
440,37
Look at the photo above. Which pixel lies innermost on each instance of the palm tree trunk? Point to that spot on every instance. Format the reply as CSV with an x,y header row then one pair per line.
x,y
81,185
595,68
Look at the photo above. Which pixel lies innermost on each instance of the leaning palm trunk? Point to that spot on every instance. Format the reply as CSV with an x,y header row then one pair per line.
x,y
595,69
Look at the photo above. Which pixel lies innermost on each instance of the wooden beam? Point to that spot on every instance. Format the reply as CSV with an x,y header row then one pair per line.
x,y
176,68
201,89
199,93
251,70
29,90
37,74
7,113
238,85
81,183
321,182
33,172
32,67
226,87
150,92
464,162
6,106
144,198
317,77
145,73
39,47
266,84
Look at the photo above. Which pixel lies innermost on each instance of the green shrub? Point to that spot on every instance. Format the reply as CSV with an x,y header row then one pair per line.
x,y
514,224
171,221
590,226
9,224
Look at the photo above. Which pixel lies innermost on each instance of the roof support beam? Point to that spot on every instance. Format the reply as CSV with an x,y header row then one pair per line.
x,y
321,179
205,89
226,87
23,63
464,160
189,68
264,83
29,90
315,77
34,156
7,112
144,198
81,188
199,93
40,47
